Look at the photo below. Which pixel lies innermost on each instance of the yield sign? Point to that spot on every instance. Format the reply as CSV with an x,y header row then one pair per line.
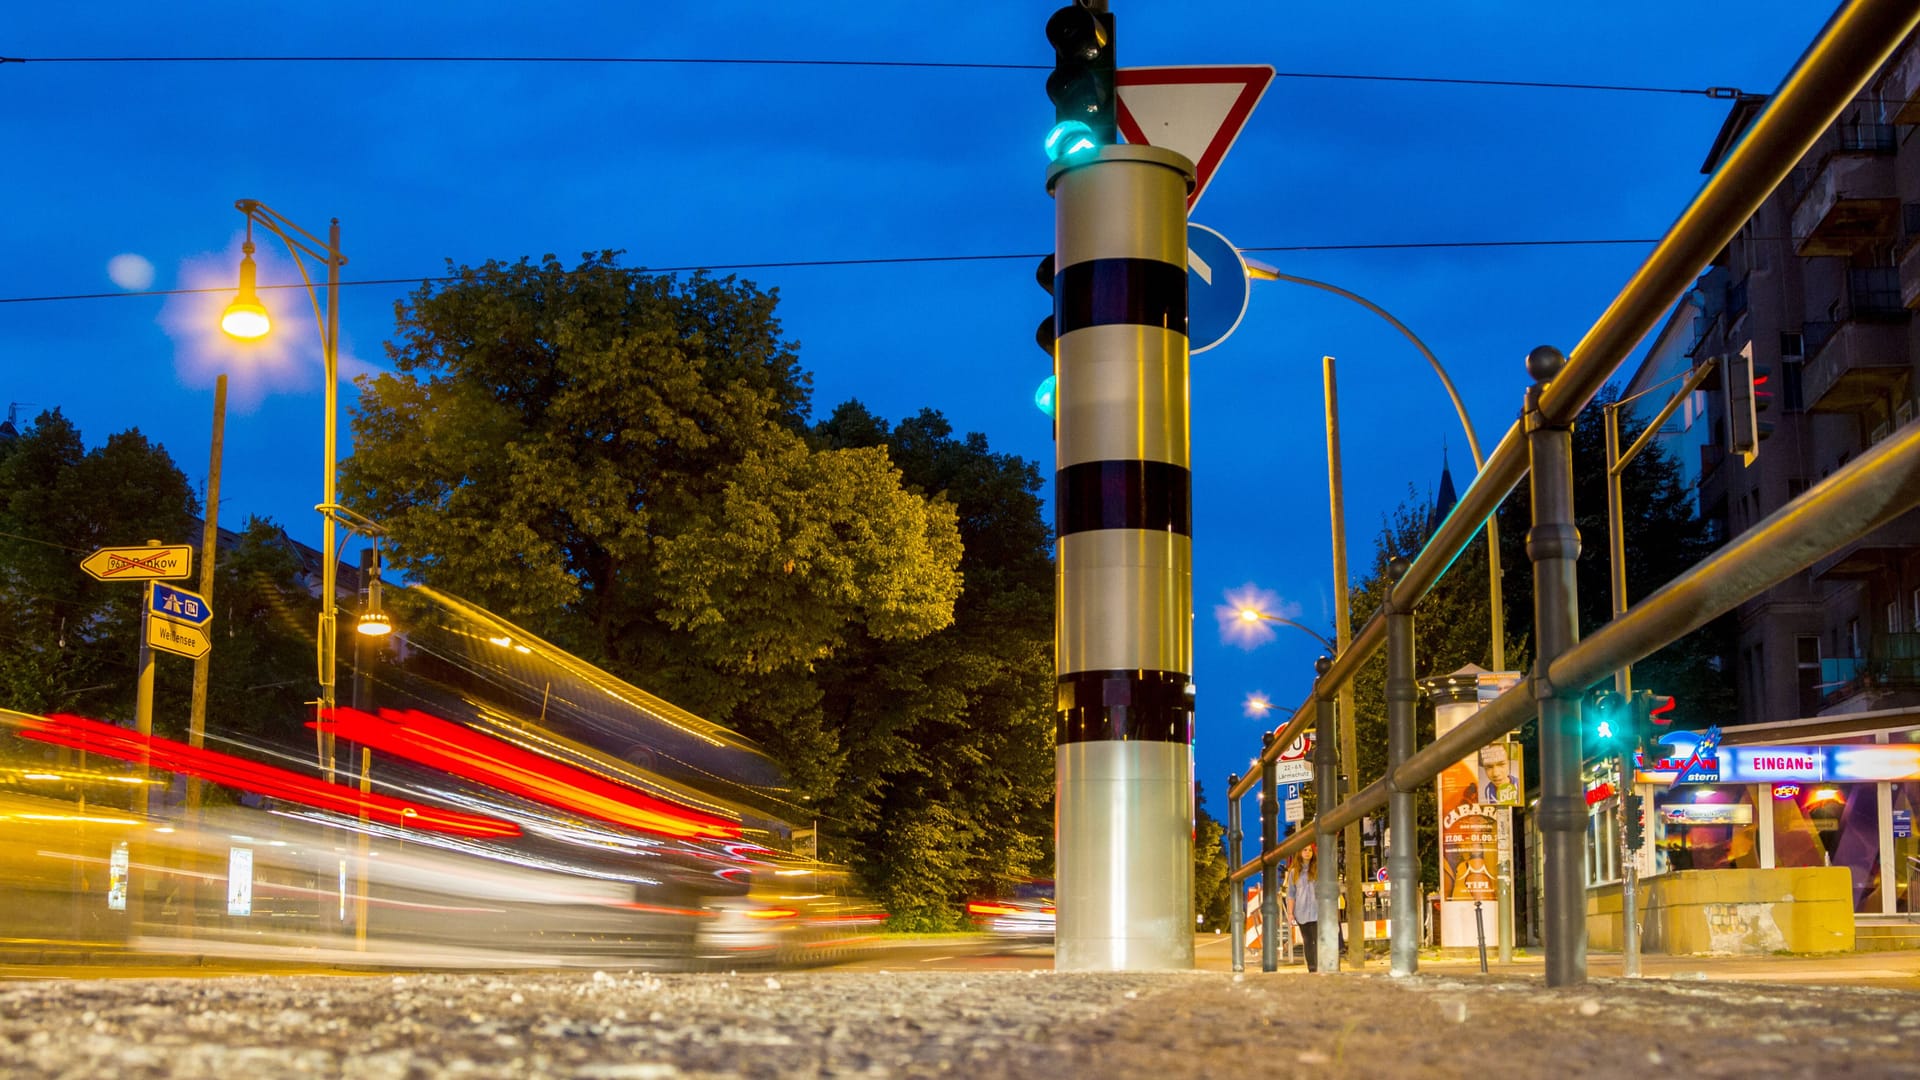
x,y
1197,112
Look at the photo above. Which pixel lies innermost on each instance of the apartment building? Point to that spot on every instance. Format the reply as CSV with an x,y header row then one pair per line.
x,y
1821,285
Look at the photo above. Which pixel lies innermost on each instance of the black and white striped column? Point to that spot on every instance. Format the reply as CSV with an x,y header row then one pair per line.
x,y
1124,637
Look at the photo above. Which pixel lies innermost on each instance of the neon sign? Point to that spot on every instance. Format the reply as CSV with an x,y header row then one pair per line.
x,y
1692,760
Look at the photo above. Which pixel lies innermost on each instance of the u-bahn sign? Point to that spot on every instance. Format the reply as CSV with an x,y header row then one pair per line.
x,y
144,563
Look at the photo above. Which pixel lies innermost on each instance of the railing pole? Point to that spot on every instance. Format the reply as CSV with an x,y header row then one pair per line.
x,y
1326,878
1403,853
1270,928
1237,895
1554,544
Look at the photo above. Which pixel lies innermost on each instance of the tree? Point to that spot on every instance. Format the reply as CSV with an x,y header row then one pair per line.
x,y
1211,889
71,642
619,460
948,783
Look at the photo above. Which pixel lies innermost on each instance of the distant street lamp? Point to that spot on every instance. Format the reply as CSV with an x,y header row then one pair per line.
x,y
246,319
1250,614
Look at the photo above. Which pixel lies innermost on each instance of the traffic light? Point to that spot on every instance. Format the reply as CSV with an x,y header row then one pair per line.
x,y
1081,85
1749,394
1607,724
1646,713
1636,819
1043,398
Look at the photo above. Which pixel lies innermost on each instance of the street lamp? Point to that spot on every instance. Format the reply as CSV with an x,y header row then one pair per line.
x,y
246,319
1251,615
1497,630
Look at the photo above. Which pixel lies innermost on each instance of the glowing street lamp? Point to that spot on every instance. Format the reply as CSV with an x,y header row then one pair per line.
x,y
246,318
1252,615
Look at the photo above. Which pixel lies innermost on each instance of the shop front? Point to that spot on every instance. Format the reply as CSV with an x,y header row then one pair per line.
x,y
1826,792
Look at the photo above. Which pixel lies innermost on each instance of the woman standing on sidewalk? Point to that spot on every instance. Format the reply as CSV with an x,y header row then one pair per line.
x,y
1305,903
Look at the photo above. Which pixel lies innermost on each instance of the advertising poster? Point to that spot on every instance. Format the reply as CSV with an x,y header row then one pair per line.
x,y
1476,797
240,881
117,878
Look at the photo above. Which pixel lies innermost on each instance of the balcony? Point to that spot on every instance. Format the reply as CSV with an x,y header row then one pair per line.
x,y
1902,87
1860,360
1893,663
1880,551
1846,200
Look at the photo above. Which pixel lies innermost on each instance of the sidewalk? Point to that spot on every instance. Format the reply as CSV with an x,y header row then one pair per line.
x,y
1892,970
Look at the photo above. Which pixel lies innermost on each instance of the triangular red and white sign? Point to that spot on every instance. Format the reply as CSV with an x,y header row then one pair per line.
x,y
1196,112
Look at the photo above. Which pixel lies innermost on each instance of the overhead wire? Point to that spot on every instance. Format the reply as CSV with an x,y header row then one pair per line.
x,y
818,263
1716,92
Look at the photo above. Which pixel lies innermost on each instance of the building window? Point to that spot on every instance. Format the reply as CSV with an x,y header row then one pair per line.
x,y
1792,345
1806,654
1853,638
1793,396
1914,609
1893,617
1797,486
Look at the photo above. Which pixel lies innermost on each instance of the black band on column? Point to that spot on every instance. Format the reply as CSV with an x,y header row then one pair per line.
x,y
1123,495
1131,292
1125,706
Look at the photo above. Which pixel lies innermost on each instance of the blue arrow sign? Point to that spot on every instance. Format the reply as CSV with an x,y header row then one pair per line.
x,y
179,605
1217,288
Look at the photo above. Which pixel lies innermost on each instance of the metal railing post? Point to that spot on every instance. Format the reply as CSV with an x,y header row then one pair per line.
x,y
1270,928
1326,877
1403,853
1553,543
1237,896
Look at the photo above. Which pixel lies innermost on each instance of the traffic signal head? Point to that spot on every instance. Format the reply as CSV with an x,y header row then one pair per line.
x,y
1607,722
1748,394
1634,811
1081,85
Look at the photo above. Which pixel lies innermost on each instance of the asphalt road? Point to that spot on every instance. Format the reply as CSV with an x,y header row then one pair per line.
x,y
927,1023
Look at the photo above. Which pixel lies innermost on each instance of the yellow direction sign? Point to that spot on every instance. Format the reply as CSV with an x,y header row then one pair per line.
x,y
178,638
140,563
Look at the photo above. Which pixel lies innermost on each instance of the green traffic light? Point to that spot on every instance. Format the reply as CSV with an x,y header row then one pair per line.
x,y
1069,137
1043,397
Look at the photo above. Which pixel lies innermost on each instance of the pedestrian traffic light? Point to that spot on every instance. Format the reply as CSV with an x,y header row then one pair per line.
x,y
1606,723
1742,404
1081,85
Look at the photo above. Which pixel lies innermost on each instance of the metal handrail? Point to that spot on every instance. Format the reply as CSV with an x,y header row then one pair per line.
x,y
1835,67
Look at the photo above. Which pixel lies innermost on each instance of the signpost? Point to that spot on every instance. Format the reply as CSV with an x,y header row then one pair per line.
x,y
149,563
1217,288
1294,767
1197,112
177,621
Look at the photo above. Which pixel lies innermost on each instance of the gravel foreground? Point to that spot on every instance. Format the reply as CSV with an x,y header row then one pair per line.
x,y
608,1025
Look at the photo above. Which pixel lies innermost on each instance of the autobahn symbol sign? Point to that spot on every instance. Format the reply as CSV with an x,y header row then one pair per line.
x,y
145,563
168,602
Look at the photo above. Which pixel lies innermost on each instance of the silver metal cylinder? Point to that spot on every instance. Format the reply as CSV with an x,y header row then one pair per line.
x,y
1236,893
1123,504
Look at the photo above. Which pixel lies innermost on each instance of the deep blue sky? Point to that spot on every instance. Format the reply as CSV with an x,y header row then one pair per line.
x,y
694,165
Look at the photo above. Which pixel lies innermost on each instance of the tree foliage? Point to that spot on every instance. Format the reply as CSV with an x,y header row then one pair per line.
x,y
1211,890
621,462
73,642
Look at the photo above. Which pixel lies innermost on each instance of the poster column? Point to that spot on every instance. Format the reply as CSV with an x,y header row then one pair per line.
x,y
1476,797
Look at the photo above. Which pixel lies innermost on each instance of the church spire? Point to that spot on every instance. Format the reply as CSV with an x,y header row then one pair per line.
x,y
1443,499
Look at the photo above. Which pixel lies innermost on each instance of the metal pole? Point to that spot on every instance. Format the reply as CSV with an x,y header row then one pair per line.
x,y
1343,637
1554,545
1504,882
209,541
329,568
363,700
1623,682
143,724
1236,895
1403,855
1124,650
1326,780
1270,928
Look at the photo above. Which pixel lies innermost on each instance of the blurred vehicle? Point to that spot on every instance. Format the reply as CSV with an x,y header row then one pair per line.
x,y
1026,912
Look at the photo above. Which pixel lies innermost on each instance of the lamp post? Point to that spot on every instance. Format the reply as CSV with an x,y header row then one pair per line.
x,y
1497,620
1250,614
247,320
